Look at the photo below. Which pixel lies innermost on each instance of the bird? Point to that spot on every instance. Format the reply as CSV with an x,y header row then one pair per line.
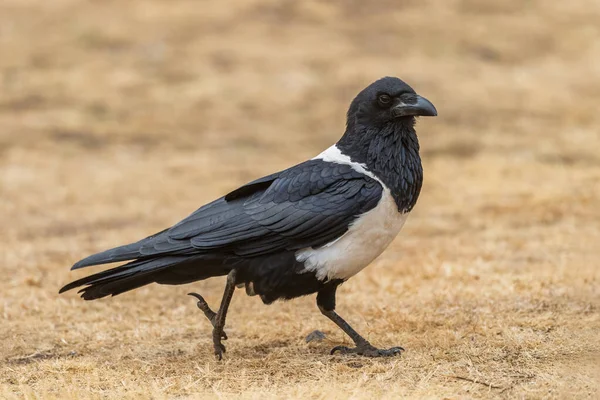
x,y
300,231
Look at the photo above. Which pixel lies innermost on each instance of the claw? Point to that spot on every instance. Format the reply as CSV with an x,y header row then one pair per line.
x,y
210,314
368,350
219,350
203,305
341,349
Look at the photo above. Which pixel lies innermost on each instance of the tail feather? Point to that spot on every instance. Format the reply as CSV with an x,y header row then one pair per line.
x,y
118,254
117,286
123,278
122,253
168,270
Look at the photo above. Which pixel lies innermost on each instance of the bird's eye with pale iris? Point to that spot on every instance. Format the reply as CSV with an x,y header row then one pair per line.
x,y
384,100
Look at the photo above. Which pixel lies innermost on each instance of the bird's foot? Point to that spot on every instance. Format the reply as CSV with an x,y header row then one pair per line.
x,y
210,314
218,346
367,350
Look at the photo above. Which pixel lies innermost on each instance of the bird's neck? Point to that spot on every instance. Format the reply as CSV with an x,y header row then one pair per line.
x,y
391,153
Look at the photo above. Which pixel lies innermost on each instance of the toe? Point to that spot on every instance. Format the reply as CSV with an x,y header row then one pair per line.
x,y
219,350
341,349
201,302
394,351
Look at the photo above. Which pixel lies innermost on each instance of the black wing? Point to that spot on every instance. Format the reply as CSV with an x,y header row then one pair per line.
x,y
308,205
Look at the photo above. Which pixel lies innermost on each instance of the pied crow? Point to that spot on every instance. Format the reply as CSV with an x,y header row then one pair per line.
x,y
304,230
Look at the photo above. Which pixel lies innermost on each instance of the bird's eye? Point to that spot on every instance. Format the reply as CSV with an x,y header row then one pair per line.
x,y
384,99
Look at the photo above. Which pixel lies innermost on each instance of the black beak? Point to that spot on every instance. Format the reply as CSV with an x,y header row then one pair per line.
x,y
416,106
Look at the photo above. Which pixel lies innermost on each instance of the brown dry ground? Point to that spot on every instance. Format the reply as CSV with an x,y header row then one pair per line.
x,y
118,118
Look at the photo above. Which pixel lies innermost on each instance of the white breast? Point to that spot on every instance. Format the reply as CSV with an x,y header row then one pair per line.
x,y
367,237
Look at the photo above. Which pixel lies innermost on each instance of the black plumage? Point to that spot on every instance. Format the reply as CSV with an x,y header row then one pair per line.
x,y
254,234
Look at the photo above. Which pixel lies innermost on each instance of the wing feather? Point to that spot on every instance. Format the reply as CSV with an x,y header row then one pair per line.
x,y
308,205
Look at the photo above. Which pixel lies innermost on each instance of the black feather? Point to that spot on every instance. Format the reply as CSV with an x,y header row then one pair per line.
x,y
258,227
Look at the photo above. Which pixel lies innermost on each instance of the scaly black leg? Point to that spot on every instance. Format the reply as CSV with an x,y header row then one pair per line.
x,y
326,303
210,314
222,313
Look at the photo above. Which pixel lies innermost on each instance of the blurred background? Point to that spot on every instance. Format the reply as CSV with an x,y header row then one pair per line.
x,y
118,118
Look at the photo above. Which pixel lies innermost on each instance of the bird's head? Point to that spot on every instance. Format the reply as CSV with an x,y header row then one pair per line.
x,y
388,100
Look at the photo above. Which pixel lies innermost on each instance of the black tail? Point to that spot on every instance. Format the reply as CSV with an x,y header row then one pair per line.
x,y
121,279
117,254
174,270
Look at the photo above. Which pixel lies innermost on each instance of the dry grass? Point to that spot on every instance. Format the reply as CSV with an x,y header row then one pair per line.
x,y
119,118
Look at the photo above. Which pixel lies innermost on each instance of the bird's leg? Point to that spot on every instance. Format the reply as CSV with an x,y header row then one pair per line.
x,y
326,303
210,314
222,313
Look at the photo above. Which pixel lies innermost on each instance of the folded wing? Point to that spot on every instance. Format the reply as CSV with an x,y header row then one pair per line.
x,y
308,205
